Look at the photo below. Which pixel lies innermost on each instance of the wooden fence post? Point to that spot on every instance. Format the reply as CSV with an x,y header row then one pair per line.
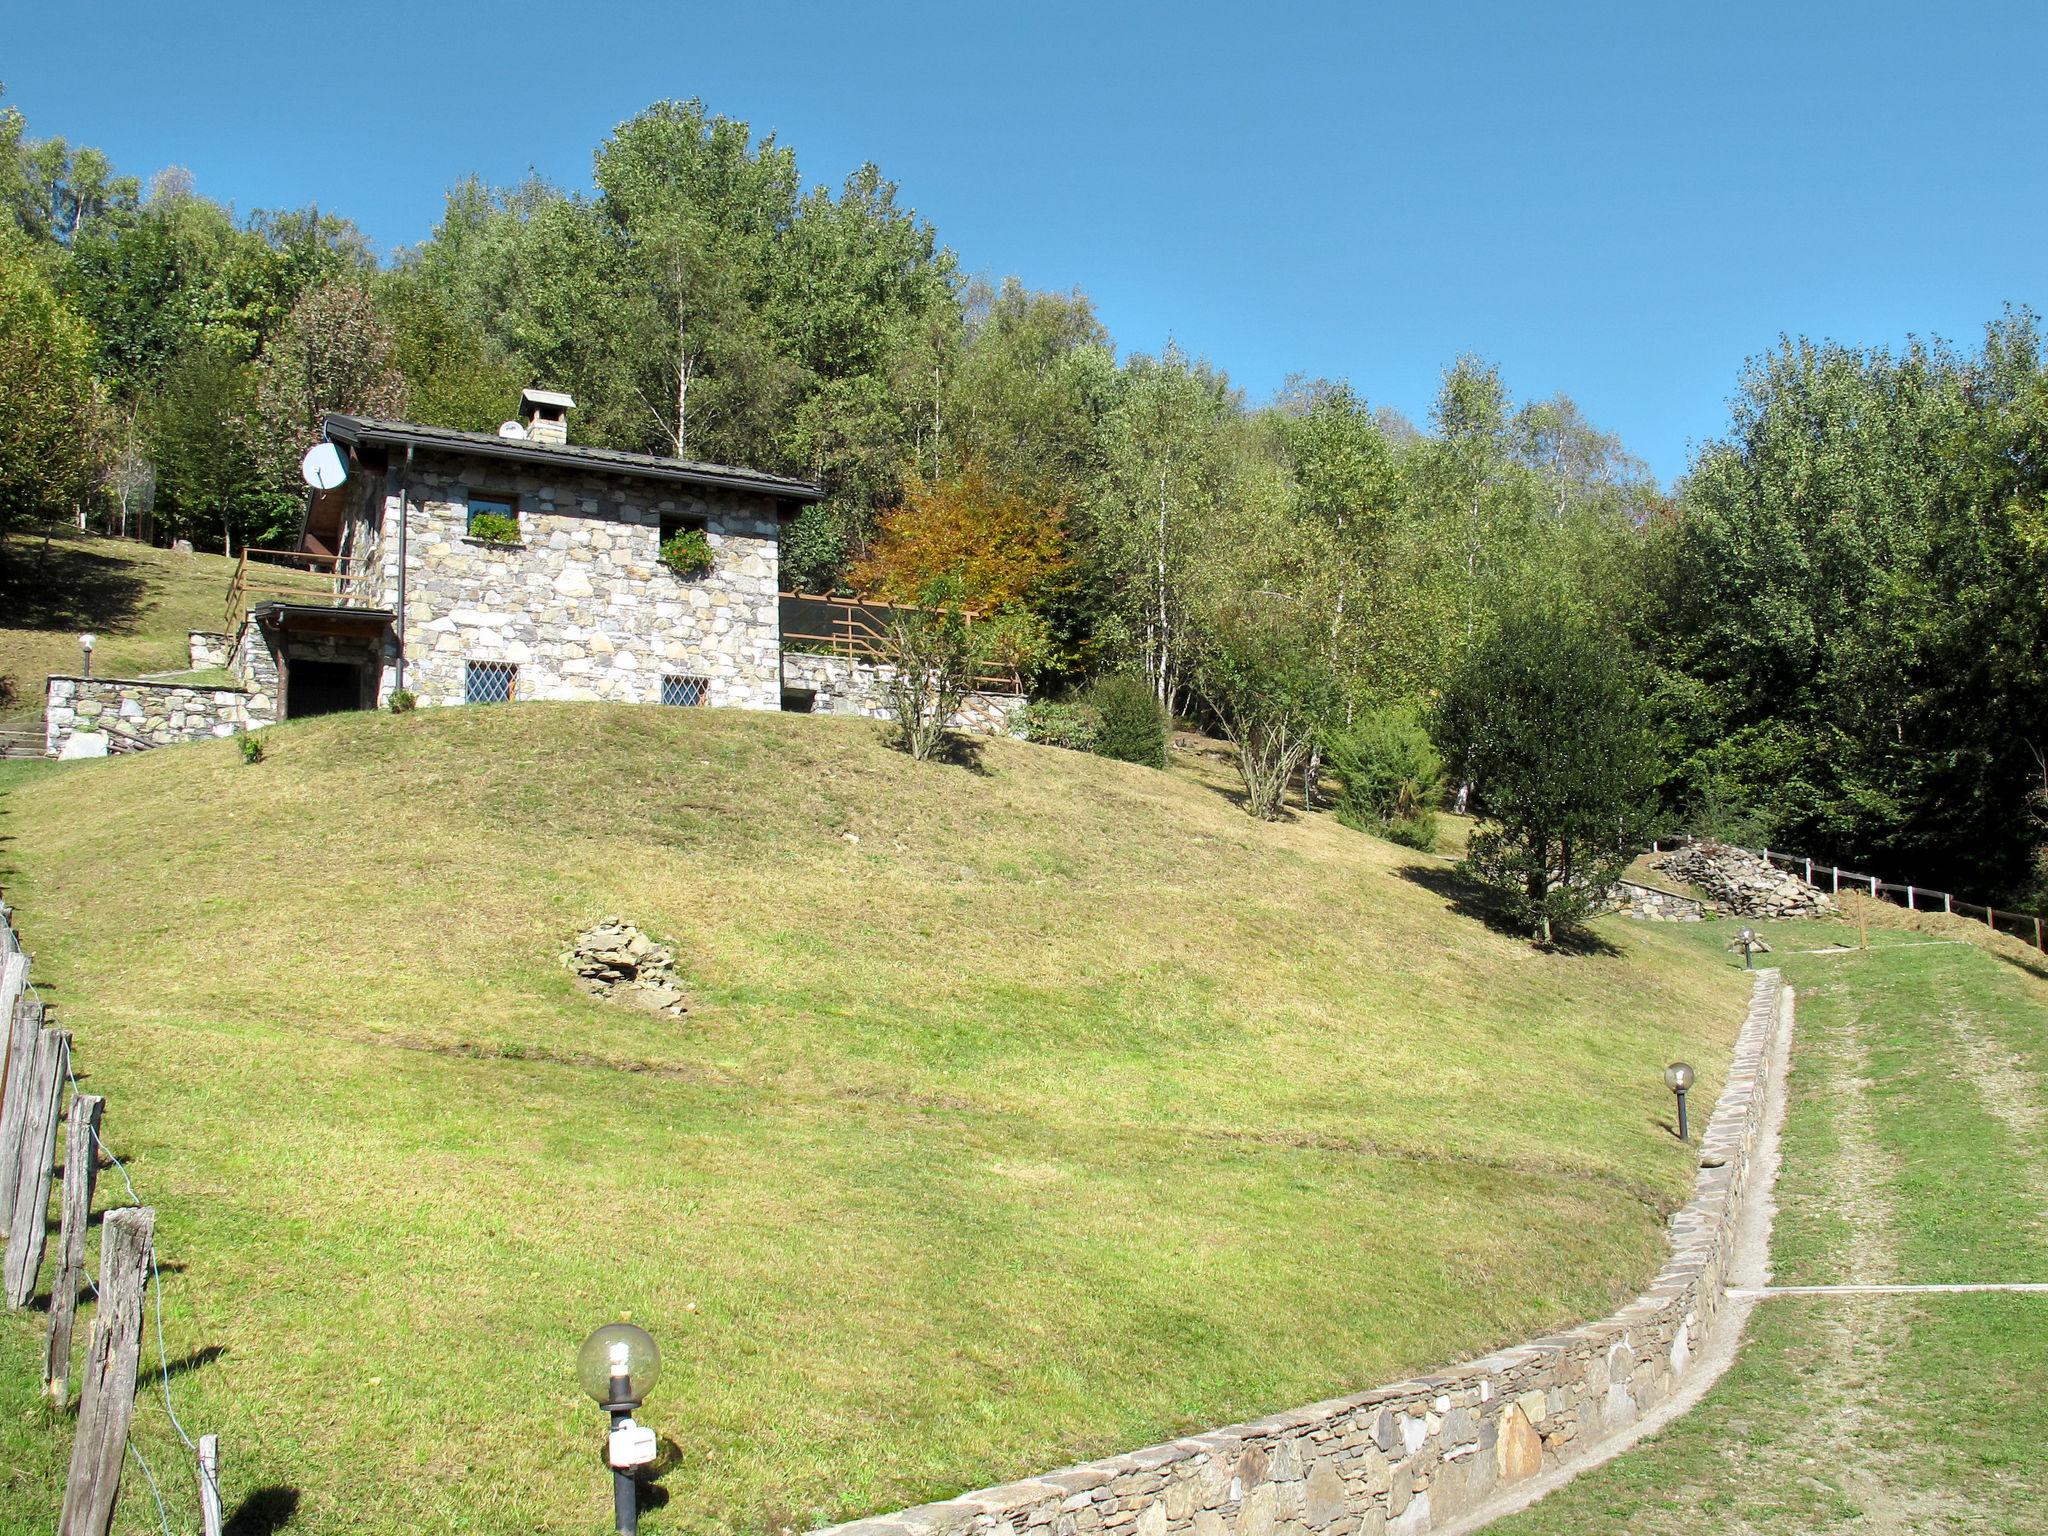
x,y
209,1485
29,1234
81,1172
106,1399
23,1022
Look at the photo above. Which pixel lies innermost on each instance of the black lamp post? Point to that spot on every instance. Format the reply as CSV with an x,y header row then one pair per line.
x,y
617,1365
1678,1078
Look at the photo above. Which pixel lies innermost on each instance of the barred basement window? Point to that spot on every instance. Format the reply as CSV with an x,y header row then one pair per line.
x,y
489,682
684,690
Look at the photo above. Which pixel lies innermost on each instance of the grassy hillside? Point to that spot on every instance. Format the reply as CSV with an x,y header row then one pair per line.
x,y
141,602
1022,1114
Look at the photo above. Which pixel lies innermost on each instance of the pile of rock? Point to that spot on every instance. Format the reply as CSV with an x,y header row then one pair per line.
x,y
1738,883
618,962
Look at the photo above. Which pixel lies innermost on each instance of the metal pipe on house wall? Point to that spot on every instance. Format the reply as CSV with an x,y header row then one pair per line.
x,y
404,479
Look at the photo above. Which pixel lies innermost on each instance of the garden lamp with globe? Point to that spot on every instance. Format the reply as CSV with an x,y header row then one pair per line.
x,y
85,644
1678,1078
618,1365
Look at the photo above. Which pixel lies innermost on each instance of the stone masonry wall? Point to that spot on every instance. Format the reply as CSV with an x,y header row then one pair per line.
x,y
582,606
157,713
1414,1456
841,685
208,649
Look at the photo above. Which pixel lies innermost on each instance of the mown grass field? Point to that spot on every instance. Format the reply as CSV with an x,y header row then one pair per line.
x,y
1916,1151
140,602
1022,1115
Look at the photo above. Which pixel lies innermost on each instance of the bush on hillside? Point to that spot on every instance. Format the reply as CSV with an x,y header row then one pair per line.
x,y
252,748
1077,727
402,701
1391,778
1133,728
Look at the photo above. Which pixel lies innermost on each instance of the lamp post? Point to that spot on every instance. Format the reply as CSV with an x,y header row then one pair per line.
x,y
85,644
1678,1078
617,1366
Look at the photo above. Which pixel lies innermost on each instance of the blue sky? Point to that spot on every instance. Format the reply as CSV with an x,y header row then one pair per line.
x,y
1618,201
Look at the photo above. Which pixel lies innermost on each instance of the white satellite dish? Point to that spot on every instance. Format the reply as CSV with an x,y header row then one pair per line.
x,y
323,467
511,429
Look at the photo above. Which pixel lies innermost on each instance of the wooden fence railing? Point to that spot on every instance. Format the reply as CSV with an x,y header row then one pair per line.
x,y
2028,926
258,576
35,1071
858,629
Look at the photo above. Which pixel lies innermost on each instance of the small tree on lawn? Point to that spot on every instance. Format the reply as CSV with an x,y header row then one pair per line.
x,y
1263,670
933,656
1548,717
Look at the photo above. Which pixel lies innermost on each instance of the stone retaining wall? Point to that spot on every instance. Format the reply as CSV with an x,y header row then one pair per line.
x,y
1419,1454
841,685
208,649
156,713
1652,904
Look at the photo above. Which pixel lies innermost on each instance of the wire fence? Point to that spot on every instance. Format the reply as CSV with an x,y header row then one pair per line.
x,y
205,1474
2029,927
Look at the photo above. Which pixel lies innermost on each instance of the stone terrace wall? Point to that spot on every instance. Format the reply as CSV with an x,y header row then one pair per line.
x,y
208,649
157,713
843,686
1416,1455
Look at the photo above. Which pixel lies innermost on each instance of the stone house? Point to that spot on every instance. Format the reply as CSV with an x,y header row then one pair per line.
x,y
466,567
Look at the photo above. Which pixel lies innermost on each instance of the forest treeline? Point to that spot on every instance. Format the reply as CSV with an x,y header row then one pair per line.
x,y
1836,619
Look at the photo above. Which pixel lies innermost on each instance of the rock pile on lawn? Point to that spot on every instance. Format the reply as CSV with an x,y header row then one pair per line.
x,y
618,962
1742,884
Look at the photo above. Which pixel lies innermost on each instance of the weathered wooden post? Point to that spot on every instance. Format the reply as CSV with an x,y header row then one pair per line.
x,y
23,1022
29,1233
81,1172
106,1399
209,1485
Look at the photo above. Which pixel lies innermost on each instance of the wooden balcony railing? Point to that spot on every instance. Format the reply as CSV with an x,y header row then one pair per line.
x,y
858,628
291,574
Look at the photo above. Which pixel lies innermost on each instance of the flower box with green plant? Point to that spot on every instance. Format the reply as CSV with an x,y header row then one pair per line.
x,y
494,528
687,552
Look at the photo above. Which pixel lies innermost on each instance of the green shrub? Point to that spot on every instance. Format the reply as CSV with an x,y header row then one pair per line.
x,y
1390,776
252,748
1133,728
493,528
687,552
1077,727
401,701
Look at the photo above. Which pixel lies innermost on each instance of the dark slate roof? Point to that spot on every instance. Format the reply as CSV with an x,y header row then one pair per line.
x,y
351,430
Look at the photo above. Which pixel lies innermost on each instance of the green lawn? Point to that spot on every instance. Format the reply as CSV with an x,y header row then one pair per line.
x,y
1022,1114
1916,1151
140,602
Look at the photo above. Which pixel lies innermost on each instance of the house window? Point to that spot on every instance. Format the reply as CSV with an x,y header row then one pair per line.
x,y
489,682
686,691
673,523
490,506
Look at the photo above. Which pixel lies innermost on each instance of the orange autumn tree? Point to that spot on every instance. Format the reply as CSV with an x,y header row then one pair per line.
x,y
996,547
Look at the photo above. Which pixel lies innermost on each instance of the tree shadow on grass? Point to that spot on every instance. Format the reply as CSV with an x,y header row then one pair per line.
x,y
52,586
262,1512
1474,899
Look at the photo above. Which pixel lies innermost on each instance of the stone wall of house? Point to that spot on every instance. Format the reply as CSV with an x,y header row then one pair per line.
x,y
1419,1454
208,649
582,605
843,685
152,713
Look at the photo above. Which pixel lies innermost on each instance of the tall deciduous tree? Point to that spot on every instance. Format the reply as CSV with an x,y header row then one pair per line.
x,y
333,353
48,448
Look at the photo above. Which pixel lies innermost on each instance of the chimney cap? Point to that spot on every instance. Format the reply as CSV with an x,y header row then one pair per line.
x,y
529,398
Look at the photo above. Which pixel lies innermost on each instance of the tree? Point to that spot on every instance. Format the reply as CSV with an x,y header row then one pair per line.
x,y
1262,668
1549,720
995,548
333,354
208,479
931,657
49,456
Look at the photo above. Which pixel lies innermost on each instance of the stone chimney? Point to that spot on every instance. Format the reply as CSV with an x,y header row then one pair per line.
x,y
545,415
